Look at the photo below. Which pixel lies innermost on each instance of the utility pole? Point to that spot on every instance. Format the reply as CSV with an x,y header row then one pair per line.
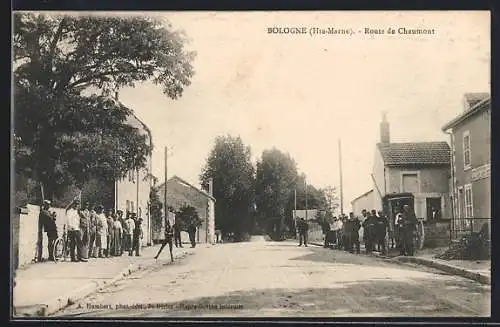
x,y
340,172
305,182
165,207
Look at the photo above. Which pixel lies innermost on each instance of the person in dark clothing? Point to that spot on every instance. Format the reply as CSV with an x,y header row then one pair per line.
x,y
355,226
408,224
369,226
169,234
177,234
137,237
327,231
50,227
303,227
381,231
192,234
44,219
347,232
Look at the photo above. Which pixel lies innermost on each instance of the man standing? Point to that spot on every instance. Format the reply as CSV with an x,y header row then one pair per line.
x,y
74,234
85,229
354,229
50,227
128,230
407,230
177,234
43,218
303,229
192,234
137,237
382,228
119,215
109,232
92,233
369,226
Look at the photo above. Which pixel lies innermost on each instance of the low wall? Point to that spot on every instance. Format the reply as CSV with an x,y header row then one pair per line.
x,y
437,234
25,234
27,231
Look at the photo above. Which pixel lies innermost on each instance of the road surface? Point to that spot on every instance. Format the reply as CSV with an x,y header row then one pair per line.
x,y
259,279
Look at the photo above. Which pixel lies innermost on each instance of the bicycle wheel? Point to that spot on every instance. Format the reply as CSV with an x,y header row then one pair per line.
x,y
59,249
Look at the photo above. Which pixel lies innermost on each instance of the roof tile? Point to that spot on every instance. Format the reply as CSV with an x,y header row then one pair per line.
x,y
416,153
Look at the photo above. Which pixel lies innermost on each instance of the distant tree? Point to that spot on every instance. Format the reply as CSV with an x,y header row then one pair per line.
x,y
63,136
230,168
275,183
331,198
156,207
187,215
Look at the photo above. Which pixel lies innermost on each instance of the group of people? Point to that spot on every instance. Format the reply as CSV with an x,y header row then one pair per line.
x,y
344,232
93,232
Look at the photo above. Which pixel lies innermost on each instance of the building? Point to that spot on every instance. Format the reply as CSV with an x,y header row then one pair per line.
x,y
364,201
180,193
132,192
420,168
470,138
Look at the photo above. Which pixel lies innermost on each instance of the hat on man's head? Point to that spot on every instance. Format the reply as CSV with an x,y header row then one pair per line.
x,y
46,202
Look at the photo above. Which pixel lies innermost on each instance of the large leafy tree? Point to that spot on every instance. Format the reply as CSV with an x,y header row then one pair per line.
x,y
64,135
230,168
275,182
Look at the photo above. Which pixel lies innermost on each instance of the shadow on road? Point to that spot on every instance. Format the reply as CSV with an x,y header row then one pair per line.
x,y
375,297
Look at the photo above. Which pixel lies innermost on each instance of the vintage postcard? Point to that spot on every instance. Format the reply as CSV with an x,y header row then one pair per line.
x,y
251,164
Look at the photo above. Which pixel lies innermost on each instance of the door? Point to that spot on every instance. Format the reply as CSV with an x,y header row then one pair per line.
x,y
433,209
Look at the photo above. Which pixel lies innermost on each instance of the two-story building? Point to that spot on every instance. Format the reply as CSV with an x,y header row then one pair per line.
x,y
470,138
420,168
132,192
180,193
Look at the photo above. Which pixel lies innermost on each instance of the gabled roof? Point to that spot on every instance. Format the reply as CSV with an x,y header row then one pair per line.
x,y
362,195
478,106
415,153
186,183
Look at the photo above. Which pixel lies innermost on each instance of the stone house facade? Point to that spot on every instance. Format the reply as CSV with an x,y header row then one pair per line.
x,y
470,138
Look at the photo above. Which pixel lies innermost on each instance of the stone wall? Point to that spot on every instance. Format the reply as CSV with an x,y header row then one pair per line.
x,y
437,234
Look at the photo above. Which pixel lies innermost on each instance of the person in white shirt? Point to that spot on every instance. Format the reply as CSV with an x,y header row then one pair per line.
x,y
128,231
74,234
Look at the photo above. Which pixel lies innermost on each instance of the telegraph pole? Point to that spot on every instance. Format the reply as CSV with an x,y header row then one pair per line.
x,y
340,172
305,182
165,207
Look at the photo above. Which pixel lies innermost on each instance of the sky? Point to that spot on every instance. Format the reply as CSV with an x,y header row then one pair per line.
x,y
301,93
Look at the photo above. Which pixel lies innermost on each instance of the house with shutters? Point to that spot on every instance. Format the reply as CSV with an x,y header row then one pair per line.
x,y
470,139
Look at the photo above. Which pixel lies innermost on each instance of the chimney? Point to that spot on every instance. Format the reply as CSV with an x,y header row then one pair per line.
x,y
384,130
211,187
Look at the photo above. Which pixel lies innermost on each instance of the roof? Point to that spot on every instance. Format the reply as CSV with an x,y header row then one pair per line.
x,y
416,153
473,99
182,181
478,106
362,195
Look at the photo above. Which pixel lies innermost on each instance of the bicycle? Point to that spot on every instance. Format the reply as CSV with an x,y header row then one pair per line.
x,y
61,248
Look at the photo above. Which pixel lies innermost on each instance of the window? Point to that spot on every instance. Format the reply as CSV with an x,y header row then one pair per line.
x,y
139,213
466,149
128,206
132,206
469,213
409,182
